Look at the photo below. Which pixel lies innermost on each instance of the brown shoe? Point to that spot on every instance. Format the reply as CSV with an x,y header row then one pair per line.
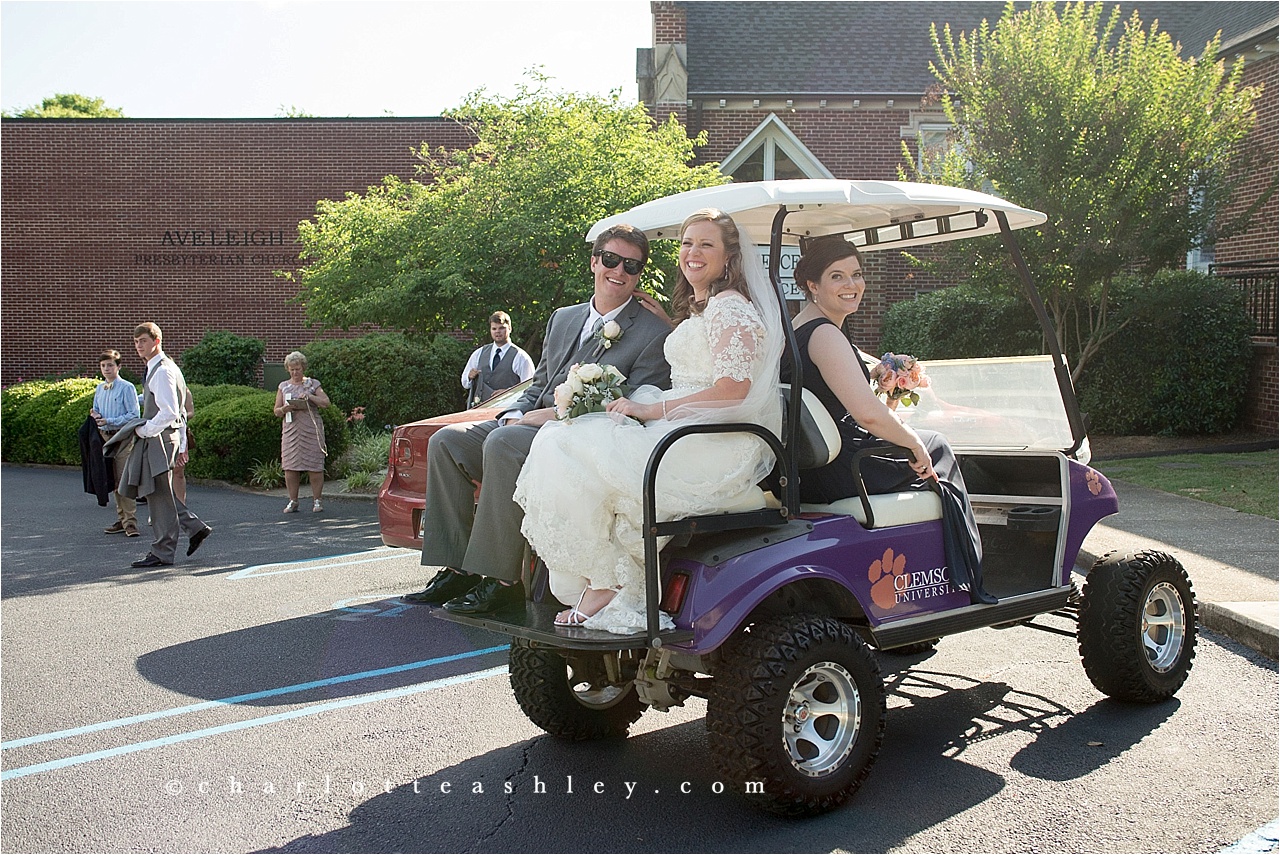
x,y
114,528
130,531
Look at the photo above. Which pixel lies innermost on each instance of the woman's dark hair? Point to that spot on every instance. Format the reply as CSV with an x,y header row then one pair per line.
x,y
818,256
734,279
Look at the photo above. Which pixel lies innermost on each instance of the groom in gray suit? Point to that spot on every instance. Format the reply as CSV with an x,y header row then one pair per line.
x,y
479,545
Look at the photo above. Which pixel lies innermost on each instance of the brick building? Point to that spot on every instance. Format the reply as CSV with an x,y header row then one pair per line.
x,y
814,90
108,222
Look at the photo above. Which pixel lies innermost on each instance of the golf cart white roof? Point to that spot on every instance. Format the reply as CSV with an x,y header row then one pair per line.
x,y
879,214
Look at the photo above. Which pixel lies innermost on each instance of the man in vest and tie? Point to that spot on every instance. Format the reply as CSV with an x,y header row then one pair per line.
x,y
497,366
160,443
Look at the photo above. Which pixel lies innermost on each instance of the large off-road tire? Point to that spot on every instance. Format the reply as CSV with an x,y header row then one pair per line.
x,y
796,714
570,698
1137,631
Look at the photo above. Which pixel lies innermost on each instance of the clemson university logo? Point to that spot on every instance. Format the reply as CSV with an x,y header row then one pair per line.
x,y
891,584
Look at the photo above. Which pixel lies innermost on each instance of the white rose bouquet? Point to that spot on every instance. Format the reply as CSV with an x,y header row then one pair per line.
x,y
587,389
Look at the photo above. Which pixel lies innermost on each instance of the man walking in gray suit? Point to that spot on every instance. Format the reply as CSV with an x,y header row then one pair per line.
x,y
160,444
479,546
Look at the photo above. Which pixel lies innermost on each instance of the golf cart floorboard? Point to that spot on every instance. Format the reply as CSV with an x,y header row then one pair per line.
x,y
535,623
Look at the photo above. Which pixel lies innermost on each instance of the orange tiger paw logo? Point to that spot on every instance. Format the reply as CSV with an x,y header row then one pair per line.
x,y
882,574
1093,482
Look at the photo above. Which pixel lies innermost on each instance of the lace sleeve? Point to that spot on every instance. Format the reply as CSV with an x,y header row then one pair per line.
x,y
736,335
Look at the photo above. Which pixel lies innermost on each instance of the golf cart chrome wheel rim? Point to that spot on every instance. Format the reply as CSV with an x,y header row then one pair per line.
x,y
1164,627
820,721
591,695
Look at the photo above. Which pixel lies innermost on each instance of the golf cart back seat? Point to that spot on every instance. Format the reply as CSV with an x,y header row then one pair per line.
x,y
818,444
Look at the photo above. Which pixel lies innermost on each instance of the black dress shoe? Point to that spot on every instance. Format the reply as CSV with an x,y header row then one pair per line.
x,y
150,561
489,596
444,586
197,539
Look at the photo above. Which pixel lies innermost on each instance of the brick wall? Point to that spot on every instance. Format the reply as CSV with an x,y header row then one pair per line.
x,y
108,223
1264,403
669,25
1262,240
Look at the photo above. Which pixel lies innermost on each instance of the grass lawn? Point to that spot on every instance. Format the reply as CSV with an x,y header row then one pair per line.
x,y
1246,482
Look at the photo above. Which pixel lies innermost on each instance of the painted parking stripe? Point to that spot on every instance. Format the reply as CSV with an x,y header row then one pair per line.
x,y
304,565
240,699
390,694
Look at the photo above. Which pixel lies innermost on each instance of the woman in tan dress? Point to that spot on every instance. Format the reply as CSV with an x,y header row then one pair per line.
x,y
302,446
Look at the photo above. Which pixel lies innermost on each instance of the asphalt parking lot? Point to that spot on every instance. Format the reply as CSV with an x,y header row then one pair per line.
x,y
270,693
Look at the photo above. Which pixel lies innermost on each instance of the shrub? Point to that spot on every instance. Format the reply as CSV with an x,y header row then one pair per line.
x,y
31,432
235,434
223,357
1180,366
964,322
396,378
13,399
203,396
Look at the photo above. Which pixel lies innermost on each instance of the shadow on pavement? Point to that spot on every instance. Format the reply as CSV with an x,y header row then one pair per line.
x,y
321,646
538,814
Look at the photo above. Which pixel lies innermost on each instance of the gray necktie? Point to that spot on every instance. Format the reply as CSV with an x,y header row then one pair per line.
x,y
595,330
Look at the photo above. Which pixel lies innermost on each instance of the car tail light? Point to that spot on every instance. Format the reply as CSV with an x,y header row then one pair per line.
x,y
673,596
402,454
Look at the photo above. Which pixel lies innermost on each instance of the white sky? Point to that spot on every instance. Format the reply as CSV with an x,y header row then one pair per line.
x,y
231,59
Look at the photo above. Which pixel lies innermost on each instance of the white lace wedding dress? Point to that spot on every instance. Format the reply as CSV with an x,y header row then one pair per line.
x,y
580,486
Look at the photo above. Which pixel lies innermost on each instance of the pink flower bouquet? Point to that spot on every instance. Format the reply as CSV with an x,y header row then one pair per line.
x,y
897,376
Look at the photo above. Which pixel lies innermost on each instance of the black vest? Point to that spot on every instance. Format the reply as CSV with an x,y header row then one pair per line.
x,y
493,380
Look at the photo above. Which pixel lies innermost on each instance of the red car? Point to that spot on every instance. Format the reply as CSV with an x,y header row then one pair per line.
x,y
403,493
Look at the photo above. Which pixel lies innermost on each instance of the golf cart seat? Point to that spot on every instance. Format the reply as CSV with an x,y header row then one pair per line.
x,y
818,443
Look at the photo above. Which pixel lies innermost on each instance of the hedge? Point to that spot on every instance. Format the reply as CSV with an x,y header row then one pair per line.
x,y
202,396
396,378
32,429
233,426
1180,366
223,357
964,322
231,434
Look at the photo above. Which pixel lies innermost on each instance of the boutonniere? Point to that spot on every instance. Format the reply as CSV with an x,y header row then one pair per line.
x,y
609,333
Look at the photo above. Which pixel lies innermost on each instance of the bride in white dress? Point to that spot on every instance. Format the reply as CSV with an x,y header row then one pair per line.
x,y
580,487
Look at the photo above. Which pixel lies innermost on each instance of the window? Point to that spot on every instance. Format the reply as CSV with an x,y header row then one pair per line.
x,y
772,153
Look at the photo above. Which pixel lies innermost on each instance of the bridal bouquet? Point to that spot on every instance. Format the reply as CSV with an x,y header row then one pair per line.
x,y
587,389
897,376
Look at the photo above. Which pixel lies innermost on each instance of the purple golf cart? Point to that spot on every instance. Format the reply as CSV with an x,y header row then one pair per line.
x,y
780,606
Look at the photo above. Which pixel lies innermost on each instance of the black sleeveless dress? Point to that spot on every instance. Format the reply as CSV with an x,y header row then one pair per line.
x,y
836,481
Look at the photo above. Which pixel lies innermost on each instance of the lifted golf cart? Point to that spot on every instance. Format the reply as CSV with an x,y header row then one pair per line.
x,y
778,605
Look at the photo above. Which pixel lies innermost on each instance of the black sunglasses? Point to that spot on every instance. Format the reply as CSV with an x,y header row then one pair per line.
x,y
611,260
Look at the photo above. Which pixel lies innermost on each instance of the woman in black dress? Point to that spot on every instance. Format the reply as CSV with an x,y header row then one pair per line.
x,y
830,274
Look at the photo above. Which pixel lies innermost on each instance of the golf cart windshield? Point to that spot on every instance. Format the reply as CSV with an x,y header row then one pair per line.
x,y
1003,403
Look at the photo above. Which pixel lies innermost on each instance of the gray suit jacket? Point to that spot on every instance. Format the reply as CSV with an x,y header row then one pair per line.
x,y
637,353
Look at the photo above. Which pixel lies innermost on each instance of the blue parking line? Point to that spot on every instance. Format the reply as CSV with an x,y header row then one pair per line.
x,y
390,694
239,699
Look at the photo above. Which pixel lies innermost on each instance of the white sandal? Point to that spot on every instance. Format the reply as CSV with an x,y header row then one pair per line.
x,y
292,507
574,616
316,507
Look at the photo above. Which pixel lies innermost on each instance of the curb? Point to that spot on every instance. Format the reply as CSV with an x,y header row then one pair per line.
x,y
1228,619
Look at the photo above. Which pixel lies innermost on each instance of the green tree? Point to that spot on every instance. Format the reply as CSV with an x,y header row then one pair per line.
x,y
1129,148
499,225
69,106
